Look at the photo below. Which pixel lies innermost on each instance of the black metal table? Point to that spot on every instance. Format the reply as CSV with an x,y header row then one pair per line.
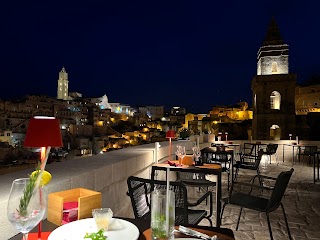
x,y
212,169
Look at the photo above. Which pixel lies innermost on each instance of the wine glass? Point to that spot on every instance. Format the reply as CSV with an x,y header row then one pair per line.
x,y
196,154
182,153
26,205
178,151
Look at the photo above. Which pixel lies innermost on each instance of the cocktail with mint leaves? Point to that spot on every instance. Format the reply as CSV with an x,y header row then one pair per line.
x,y
161,228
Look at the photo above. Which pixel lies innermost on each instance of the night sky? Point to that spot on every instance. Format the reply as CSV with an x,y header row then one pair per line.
x,y
193,54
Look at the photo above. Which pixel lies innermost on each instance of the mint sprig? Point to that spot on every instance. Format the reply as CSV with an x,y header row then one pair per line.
x,y
27,192
96,236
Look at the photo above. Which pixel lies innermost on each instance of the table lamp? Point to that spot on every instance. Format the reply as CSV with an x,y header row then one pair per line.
x,y
170,134
43,132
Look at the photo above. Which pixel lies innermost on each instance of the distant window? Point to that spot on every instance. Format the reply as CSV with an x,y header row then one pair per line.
x,y
8,134
255,102
275,100
304,103
315,104
274,67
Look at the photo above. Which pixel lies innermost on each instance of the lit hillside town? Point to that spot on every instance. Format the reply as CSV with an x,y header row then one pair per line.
x,y
95,125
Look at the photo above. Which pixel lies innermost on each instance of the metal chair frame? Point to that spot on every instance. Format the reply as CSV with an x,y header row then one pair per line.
x,y
258,203
139,190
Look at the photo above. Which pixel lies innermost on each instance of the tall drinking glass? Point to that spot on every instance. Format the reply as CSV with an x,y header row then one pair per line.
x,y
25,208
161,229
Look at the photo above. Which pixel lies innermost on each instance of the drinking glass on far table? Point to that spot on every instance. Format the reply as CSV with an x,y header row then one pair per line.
x,y
181,153
26,206
197,154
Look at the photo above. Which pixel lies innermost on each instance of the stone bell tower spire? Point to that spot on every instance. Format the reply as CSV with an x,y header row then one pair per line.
x,y
273,89
273,55
62,91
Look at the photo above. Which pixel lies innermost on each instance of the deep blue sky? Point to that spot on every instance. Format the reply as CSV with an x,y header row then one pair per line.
x,y
193,54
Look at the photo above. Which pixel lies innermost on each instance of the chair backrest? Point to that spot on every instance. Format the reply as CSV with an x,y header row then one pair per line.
x,y
279,190
258,159
248,148
139,191
206,154
308,150
271,148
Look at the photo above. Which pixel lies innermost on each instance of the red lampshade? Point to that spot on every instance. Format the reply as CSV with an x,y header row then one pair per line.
x,y
171,134
43,132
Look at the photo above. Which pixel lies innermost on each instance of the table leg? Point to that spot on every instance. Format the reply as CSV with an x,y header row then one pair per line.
x,y
218,201
292,155
314,167
318,165
232,159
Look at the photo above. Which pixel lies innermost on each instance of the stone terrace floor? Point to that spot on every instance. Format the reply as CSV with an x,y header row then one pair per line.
x,y
301,203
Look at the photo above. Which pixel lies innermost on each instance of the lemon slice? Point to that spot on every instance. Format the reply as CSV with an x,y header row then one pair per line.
x,y
45,179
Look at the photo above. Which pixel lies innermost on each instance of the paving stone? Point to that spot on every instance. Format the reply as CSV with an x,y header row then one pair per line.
x,y
301,203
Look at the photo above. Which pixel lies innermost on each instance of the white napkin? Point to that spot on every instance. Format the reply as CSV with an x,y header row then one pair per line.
x,y
115,224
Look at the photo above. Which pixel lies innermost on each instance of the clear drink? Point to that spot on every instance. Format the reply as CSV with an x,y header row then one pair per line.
x,y
102,217
161,228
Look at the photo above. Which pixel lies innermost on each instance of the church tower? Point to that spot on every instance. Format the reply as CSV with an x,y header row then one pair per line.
x,y
273,89
62,91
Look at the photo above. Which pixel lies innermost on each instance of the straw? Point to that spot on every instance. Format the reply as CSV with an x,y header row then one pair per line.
x,y
167,202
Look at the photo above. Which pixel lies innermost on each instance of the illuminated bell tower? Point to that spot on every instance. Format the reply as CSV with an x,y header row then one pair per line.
x,y
62,91
273,89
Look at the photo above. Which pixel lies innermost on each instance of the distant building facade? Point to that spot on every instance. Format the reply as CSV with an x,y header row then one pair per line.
x,y
307,99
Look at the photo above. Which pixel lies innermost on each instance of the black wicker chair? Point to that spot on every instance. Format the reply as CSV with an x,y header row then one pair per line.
x,y
209,155
139,190
260,203
271,150
307,151
243,164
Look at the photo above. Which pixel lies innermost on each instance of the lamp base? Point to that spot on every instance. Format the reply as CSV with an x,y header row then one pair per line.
x,y
34,236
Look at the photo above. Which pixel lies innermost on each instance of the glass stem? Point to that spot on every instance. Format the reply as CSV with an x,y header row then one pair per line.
x,y
25,236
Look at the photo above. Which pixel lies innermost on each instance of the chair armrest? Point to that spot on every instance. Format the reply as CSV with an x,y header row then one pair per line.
x,y
268,177
252,185
200,200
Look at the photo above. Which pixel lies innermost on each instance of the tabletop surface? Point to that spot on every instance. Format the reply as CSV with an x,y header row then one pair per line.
x,y
144,226
222,234
206,167
217,150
